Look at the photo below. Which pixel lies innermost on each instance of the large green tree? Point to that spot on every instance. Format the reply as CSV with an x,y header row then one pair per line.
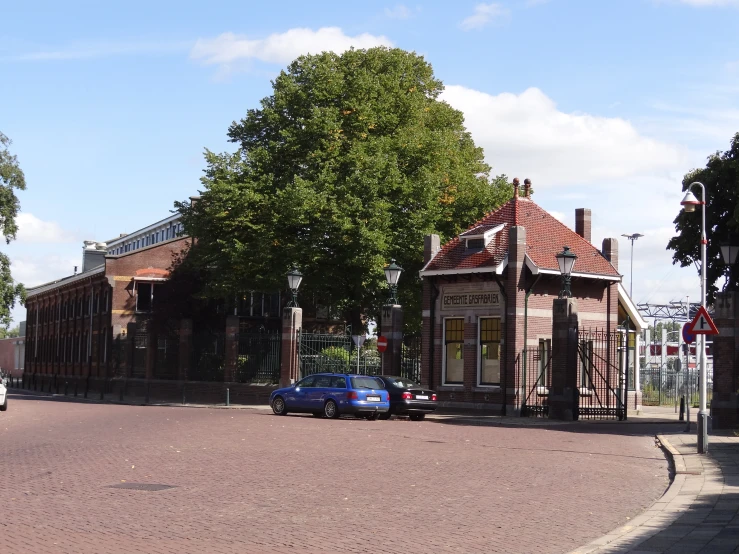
x,y
721,179
11,178
348,163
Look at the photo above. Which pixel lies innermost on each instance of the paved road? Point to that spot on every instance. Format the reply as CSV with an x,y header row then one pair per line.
x,y
249,482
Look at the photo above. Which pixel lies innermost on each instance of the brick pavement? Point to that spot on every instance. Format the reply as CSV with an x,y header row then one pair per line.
x,y
698,514
250,482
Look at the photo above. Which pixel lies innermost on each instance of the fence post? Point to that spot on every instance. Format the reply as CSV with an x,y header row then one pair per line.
x,y
292,321
392,329
563,394
232,348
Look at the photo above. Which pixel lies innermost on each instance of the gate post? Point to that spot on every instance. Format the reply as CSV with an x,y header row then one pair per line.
x,y
292,321
185,354
232,348
391,328
564,394
724,404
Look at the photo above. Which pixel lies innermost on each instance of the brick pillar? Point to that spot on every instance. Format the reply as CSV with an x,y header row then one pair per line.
x,y
391,328
724,404
292,321
583,218
131,329
513,338
563,391
185,349
610,251
232,348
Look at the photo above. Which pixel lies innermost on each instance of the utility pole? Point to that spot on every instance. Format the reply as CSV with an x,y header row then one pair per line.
x,y
632,238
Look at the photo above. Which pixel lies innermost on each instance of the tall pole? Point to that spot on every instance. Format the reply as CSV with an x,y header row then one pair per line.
x,y
702,416
632,238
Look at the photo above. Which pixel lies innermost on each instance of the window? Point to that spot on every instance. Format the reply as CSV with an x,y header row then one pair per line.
x,y
323,381
475,244
586,364
146,296
307,382
454,351
631,357
367,382
490,333
545,349
338,382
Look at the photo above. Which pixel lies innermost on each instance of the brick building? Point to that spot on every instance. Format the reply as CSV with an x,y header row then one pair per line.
x,y
487,306
12,353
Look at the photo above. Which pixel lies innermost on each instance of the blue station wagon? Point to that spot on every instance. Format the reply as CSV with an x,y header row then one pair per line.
x,y
333,394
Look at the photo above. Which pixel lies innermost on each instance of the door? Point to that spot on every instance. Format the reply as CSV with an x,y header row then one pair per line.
x,y
297,398
317,394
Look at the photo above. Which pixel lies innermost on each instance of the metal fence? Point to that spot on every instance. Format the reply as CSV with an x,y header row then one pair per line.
x,y
600,378
208,356
661,386
410,358
535,368
258,358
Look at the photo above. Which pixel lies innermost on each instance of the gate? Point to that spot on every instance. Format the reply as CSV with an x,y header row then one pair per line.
x,y
323,353
259,357
535,367
600,377
208,356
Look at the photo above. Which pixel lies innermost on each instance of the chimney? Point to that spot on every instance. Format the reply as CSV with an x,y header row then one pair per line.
x,y
93,255
527,188
582,223
515,187
610,251
431,246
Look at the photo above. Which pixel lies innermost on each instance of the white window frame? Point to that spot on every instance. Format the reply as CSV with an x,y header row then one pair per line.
x,y
479,352
444,381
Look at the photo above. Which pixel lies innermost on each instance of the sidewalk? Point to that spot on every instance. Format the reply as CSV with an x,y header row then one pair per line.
x,y
699,513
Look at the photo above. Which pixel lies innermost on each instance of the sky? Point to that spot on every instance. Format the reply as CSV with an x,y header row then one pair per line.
x,y
603,104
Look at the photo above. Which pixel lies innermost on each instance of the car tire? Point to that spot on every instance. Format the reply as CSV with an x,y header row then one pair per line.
x,y
4,406
373,416
417,417
330,410
278,406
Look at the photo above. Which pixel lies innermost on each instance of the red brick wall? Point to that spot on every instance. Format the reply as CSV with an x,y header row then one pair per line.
x,y
7,354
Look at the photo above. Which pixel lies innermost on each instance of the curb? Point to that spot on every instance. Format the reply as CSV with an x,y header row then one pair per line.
x,y
655,518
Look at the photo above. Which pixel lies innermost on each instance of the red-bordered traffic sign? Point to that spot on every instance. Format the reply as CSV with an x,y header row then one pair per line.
x,y
381,343
687,335
702,324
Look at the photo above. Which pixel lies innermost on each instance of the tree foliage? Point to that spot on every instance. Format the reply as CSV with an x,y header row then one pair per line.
x,y
721,179
348,163
11,178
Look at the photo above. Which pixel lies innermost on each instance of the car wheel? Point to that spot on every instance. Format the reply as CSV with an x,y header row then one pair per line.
x,y
330,409
373,416
4,406
417,417
278,406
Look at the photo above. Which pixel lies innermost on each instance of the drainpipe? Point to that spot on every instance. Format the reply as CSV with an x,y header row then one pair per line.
x,y
505,313
432,314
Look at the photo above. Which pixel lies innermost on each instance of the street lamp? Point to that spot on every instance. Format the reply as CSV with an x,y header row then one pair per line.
x,y
632,238
294,278
566,260
689,203
392,274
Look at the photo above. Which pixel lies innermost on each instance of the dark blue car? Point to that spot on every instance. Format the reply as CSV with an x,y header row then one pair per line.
x,y
333,394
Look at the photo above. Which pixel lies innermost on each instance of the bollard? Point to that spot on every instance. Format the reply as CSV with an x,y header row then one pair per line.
x,y
228,397
183,394
682,408
146,400
66,387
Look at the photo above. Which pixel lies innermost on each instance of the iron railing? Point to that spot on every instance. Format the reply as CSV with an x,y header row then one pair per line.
x,y
661,386
535,368
208,356
410,358
601,384
258,358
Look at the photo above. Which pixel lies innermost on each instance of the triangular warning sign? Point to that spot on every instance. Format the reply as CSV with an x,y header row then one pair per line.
x,y
702,324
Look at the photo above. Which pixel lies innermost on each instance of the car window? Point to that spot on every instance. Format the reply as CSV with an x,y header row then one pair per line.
x,y
404,383
367,383
323,381
338,382
307,382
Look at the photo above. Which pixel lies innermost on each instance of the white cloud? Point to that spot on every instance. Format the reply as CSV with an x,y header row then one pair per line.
x,y
280,48
37,270
483,15
400,11
31,229
526,135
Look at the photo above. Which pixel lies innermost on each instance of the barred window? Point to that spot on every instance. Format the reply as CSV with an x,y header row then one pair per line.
x,y
454,351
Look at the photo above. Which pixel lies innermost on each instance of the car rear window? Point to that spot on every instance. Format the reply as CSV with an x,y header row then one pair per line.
x,y
366,383
404,383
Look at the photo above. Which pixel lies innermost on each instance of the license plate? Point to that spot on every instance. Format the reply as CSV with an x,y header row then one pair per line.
x,y
421,397
373,399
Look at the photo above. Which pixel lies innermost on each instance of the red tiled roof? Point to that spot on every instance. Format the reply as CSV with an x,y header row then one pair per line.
x,y
545,237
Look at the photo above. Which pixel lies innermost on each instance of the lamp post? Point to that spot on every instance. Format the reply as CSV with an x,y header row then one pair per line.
x,y
294,278
729,252
689,203
632,238
566,260
392,274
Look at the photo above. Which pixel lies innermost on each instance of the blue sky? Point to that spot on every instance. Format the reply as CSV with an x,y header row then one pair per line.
x,y
604,104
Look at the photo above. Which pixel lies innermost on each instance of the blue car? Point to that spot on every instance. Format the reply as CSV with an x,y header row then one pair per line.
x,y
333,394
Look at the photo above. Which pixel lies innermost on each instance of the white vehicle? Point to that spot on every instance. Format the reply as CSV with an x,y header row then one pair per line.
x,y
3,395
